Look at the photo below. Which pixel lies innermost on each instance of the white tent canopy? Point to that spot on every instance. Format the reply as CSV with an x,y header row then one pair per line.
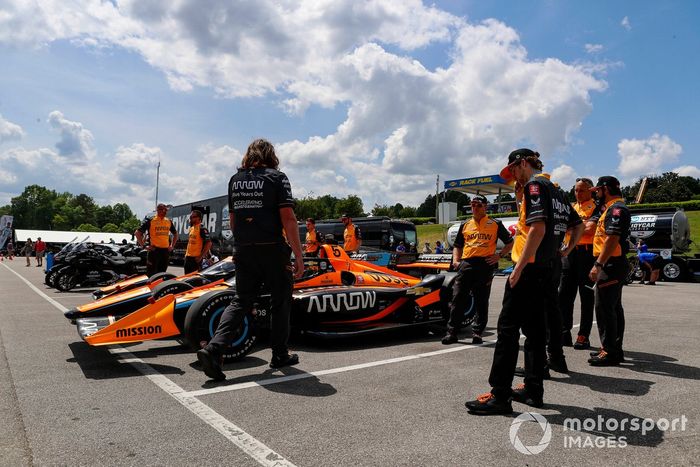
x,y
58,236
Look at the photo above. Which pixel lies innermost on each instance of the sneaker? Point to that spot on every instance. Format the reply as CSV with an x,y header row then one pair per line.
x,y
595,352
476,339
603,359
566,339
450,337
520,371
582,343
278,361
557,364
210,364
488,404
521,395
651,283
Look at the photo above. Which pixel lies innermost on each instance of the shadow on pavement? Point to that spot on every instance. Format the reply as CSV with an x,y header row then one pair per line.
x,y
297,382
603,422
661,365
98,363
606,384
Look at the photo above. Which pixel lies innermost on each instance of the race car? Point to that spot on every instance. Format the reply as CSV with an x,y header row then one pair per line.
x,y
336,296
132,296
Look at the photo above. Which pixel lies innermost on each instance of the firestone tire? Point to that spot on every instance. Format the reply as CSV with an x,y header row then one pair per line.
x,y
169,288
446,299
203,318
165,276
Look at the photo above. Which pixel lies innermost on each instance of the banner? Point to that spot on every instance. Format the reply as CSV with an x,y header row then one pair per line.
x,y
5,230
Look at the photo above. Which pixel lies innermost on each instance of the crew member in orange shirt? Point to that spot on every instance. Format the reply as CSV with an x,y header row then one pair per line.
x,y
575,269
312,244
474,258
351,235
198,243
160,232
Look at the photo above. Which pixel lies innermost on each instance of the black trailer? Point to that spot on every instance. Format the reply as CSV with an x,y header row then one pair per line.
x,y
378,232
214,218
667,233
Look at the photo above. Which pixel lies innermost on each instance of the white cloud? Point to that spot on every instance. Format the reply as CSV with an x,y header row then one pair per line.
x,y
404,122
625,23
646,156
76,144
687,171
593,48
564,175
9,131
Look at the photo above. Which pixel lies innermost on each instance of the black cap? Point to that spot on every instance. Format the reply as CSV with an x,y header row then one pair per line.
x,y
517,156
480,198
607,180
344,215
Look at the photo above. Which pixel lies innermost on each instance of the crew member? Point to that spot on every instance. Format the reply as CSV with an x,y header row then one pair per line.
x,y
312,244
650,261
198,243
546,216
161,243
575,268
610,247
352,236
260,207
474,258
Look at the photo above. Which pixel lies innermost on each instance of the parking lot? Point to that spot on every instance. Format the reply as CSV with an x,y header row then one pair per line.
x,y
395,399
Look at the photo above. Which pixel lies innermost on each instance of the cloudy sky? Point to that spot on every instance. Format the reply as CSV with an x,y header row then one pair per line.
x,y
373,98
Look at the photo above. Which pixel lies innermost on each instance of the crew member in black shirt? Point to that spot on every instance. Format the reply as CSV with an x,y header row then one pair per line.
x,y
543,221
265,231
610,247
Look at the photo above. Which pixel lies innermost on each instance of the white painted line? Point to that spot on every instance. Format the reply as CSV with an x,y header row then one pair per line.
x,y
343,369
244,441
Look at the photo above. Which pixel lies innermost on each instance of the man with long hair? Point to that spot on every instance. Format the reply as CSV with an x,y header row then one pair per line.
x,y
265,231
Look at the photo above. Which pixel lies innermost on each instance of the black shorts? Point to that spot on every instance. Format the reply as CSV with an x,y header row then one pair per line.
x,y
657,263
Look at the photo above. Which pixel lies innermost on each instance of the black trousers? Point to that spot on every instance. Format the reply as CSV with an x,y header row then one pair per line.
x,y
574,278
608,305
256,266
191,264
157,260
554,318
523,308
474,275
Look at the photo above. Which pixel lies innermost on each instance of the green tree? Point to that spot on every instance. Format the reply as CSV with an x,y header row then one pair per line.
x,y
111,228
105,215
130,225
352,206
86,228
121,213
86,207
33,209
668,187
382,210
60,223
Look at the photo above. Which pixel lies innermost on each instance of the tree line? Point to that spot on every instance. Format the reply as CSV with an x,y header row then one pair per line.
x,y
40,208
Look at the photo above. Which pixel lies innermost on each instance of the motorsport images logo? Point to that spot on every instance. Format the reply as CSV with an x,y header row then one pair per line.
x,y
544,440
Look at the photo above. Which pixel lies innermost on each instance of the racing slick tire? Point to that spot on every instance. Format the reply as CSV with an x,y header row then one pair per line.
x,y
66,279
203,318
446,298
195,281
164,276
168,288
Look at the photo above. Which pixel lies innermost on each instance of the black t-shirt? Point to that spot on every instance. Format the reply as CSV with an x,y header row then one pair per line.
x,y
545,202
255,197
617,222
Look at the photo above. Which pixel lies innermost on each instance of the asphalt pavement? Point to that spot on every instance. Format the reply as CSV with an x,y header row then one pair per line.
x,y
393,399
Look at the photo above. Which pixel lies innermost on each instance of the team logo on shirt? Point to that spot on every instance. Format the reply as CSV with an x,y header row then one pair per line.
x,y
534,189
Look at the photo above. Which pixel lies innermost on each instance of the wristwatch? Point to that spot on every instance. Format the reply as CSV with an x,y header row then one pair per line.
x,y
597,264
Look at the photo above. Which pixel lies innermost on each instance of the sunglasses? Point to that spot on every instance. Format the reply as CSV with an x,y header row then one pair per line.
x,y
586,180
